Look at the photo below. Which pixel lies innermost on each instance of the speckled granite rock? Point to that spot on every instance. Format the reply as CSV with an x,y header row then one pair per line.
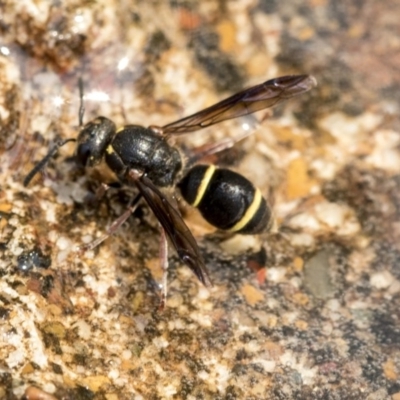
x,y
310,311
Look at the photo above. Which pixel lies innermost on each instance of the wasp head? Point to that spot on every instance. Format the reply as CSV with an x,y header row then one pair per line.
x,y
93,140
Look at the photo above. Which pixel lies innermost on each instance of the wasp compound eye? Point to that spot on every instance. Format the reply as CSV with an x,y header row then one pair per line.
x,y
93,140
83,153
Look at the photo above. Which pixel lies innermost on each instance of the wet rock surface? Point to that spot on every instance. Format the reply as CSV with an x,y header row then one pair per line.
x,y
309,311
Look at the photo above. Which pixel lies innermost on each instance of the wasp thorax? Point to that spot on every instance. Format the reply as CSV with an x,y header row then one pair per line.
x,y
142,149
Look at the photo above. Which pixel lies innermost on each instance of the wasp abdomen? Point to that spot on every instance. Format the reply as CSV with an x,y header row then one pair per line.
x,y
226,199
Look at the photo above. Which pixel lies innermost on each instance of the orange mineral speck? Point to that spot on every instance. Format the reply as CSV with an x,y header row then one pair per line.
x,y
298,180
227,32
251,294
390,371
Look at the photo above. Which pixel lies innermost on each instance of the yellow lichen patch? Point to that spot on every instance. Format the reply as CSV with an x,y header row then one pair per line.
x,y
95,382
111,396
55,328
260,388
301,325
287,136
251,294
357,30
300,298
3,223
311,202
5,207
127,365
272,321
274,349
67,380
298,181
227,33
137,301
306,34
390,370
153,264
89,262
35,393
54,309
123,319
27,369
257,64
22,290
298,264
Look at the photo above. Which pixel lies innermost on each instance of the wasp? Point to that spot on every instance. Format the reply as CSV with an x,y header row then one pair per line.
x,y
145,158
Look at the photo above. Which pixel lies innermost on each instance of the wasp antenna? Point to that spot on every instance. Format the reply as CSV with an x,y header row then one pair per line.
x,y
82,104
42,163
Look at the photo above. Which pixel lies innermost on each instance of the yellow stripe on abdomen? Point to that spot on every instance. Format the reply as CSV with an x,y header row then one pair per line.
x,y
204,184
249,214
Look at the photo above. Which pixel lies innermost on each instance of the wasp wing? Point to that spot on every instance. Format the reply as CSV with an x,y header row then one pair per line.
x,y
173,224
248,101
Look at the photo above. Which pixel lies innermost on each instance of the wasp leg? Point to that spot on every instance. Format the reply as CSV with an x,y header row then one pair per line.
x,y
42,163
114,226
207,150
101,191
94,198
164,267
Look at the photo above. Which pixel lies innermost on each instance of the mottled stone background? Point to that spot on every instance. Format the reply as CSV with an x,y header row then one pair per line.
x,y
309,311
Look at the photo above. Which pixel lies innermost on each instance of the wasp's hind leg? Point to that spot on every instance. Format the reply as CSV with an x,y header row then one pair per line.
x,y
164,267
199,153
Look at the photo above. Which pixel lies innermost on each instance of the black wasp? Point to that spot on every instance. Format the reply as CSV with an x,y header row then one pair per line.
x,y
143,157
